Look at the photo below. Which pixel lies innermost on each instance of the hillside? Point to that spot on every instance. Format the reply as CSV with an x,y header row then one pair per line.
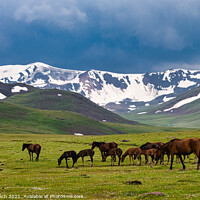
x,y
119,93
183,111
53,99
17,119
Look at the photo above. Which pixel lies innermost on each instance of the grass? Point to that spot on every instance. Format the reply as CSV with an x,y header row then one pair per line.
x,y
21,177
20,119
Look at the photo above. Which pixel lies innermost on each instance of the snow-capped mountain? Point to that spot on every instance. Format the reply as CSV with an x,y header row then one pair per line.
x,y
117,92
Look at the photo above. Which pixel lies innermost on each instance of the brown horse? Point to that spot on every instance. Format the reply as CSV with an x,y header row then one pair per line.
x,y
104,147
113,153
32,148
147,153
136,152
149,145
66,155
181,147
86,152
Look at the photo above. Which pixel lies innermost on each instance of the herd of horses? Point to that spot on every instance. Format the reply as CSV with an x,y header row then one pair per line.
x,y
178,147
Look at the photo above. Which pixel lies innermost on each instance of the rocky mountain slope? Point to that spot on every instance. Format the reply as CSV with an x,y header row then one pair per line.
x,y
120,93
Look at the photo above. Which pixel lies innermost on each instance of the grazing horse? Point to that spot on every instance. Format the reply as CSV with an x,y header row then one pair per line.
x,y
136,152
147,153
86,152
149,145
32,148
113,153
181,147
104,147
66,155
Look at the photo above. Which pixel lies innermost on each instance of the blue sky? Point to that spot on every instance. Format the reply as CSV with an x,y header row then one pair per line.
x,y
125,36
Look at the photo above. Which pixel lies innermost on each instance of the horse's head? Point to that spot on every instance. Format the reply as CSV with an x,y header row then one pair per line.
x,y
123,157
93,145
24,146
59,161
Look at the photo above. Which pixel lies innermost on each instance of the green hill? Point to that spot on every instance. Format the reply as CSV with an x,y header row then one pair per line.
x,y
19,119
65,101
187,115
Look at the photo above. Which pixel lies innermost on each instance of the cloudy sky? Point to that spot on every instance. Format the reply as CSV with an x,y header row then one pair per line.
x,y
125,36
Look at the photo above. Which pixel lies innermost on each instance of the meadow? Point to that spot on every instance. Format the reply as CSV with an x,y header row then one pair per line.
x,y
22,179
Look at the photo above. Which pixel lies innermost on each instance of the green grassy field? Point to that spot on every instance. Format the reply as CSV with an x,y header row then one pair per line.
x,y
22,178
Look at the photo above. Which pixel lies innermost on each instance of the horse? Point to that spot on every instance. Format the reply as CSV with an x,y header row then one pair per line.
x,y
113,153
86,152
32,148
147,153
66,155
149,145
136,152
104,147
181,147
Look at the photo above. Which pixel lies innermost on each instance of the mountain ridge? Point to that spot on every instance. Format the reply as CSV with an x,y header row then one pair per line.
x,y
117,92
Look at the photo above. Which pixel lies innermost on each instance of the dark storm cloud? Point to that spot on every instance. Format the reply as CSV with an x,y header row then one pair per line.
x,y
117,35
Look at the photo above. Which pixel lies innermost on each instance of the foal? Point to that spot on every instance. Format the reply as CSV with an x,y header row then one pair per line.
x,y
32,148
113,153
86,152
147,153
66,155
136,152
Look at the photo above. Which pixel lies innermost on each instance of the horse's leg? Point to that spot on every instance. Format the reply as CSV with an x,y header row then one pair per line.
x,y
172,159
74,161
112,161
103,156
152,158
133,160
83,161
32,156
91,161
29,155
119,160
146,160
168,157
37,158
198,163
66,163
181,159
130,159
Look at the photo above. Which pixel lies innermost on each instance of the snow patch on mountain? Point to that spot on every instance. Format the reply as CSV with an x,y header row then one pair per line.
x,y
183,102
186,83
2,96
18,89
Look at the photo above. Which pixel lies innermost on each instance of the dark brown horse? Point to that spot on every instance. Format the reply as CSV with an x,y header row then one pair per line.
x,y
66,155
32,148
181,147
104,147
149,145
113,153
86,152
133,153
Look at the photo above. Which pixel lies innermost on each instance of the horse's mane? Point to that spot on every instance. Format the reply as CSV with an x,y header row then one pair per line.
x,y
98,143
